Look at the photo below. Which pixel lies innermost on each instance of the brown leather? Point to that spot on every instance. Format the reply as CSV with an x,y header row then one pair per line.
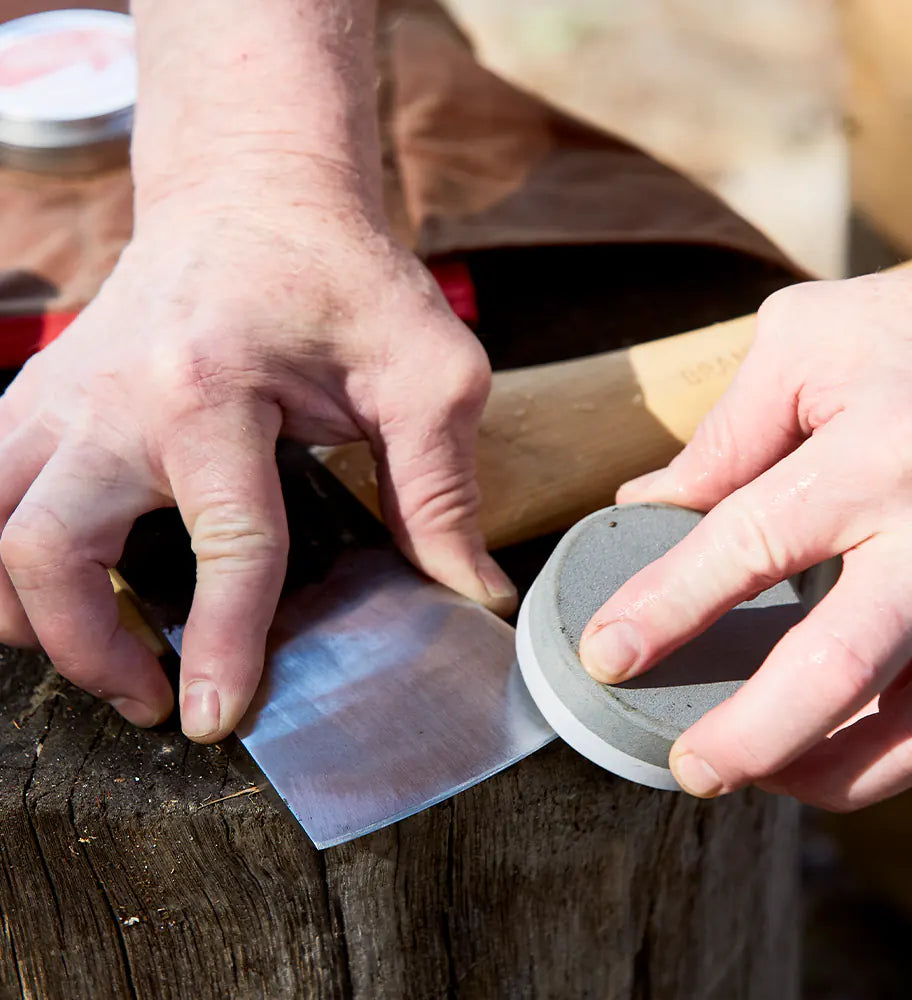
x,y
470,163
483,164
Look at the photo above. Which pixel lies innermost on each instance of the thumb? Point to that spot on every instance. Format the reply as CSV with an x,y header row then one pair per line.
x,y
753,425
429,495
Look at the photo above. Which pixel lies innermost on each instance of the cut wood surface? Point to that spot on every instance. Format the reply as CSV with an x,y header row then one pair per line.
x,y
129,867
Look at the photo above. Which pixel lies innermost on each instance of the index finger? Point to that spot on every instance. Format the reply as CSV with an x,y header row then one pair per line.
x,y
808,507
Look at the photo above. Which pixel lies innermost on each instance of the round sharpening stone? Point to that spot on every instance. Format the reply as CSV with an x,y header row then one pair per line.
x,y
629,728
67,90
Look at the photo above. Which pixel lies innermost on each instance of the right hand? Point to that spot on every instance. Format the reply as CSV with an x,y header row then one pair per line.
x,y
808,455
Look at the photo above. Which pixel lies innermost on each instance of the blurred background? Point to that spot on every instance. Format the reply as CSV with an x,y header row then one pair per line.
x,y
796,113
744,96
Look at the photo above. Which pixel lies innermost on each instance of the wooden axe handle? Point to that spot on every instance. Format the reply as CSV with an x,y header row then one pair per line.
x,y
557,440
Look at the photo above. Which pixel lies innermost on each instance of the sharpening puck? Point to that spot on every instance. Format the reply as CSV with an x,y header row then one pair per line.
x,y
67,90
629,728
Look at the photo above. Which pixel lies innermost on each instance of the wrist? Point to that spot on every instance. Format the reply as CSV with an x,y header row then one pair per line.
x,y
228,179
276,100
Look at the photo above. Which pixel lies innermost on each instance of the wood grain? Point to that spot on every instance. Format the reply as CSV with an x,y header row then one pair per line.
x,y
552,880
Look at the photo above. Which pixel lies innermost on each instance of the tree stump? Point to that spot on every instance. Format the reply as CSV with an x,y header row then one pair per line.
x,y
131,867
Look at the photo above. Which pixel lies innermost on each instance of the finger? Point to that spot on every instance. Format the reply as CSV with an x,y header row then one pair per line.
x,y
827,668
56,546
23,454
752,426
869,761
223,473
808,507
428,490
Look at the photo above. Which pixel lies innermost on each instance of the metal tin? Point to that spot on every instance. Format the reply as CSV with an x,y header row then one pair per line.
x,y
67,90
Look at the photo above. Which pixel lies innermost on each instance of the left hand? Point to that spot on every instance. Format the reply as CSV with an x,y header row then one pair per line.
x,y
221,326
808,455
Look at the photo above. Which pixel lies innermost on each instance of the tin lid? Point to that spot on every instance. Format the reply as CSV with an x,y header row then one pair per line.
x,y
629,728
67,80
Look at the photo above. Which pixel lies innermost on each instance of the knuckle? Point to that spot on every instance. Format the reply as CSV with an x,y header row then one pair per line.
x,y
746,536
441,500
856,673
746,760
785,301
781,314
33,543
207,369
714,438
466,381
87,674
773,310
234,537
442,410
81,674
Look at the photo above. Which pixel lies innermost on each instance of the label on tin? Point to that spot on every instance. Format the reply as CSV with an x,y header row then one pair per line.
x,y
67,65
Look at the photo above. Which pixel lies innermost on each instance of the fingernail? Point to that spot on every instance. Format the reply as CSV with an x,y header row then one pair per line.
x,y
200,709
634,488
137,712
495,581
610,652
695,776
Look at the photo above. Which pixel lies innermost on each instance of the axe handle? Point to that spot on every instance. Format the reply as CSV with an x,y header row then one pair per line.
x,y
557,440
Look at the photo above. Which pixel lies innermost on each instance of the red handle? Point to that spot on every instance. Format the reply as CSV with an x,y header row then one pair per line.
x,y
23,336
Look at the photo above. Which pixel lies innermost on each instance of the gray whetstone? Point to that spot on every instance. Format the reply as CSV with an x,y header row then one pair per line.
x,y
643,717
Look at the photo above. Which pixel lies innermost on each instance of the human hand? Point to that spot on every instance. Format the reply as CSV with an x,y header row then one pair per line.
x,y
808,455
223,325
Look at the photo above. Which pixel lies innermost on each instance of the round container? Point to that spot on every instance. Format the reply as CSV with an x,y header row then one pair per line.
x,y
629,728
67,90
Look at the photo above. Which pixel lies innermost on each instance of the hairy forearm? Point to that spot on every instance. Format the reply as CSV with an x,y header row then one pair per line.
x,y
279,94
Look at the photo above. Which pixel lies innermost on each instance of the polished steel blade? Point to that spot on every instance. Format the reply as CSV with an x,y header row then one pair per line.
x,y
384,694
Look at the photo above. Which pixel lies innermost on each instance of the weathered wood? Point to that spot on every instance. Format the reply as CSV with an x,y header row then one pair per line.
x,y
120,876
